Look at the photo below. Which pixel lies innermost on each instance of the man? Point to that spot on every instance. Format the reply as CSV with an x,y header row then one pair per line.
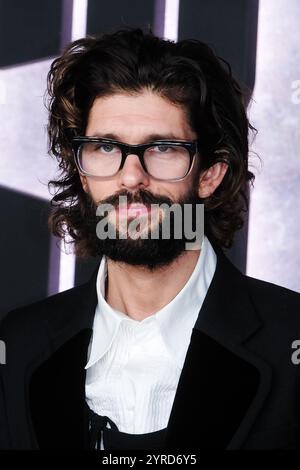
x,y
168,346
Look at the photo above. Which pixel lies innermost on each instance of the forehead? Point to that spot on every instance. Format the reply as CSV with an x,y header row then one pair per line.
x,y
134,115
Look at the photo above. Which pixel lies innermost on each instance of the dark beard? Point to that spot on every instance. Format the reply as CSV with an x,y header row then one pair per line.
x,y
148,252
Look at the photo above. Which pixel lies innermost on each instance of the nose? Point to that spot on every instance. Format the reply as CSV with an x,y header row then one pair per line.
x,y
132,174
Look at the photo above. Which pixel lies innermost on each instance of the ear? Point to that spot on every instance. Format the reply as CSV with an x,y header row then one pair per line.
x,y
210,179
84,183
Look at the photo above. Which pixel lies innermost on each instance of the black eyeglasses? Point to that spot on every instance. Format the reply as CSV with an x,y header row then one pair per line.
x,y
170,160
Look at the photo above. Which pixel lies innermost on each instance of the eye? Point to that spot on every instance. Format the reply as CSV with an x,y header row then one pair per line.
x,y
106,148
162,148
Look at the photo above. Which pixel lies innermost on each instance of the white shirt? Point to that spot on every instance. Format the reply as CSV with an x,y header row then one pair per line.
x,y
134,366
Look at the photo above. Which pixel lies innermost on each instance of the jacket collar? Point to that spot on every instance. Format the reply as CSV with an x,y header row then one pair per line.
x,y
221,389
223,385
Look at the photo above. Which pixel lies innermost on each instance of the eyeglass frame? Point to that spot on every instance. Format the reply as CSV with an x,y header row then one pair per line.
x,y
136,149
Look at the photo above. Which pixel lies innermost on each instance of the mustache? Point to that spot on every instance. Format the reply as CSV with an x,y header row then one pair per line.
x,y
140,197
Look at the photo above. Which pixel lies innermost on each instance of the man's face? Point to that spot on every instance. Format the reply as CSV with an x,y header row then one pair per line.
x,y
133,119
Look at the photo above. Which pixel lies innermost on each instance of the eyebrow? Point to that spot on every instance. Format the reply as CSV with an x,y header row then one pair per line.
x,y
148,138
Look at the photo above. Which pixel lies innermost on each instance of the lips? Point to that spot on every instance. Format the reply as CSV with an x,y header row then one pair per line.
x,y
133,210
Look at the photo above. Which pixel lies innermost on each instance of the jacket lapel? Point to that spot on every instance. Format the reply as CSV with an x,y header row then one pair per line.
x,y
222,386
56,384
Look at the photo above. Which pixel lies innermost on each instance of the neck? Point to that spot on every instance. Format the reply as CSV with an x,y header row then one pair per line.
x,y
139,293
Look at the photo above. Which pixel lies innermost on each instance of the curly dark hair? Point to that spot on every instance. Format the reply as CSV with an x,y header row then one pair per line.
x,y
187,73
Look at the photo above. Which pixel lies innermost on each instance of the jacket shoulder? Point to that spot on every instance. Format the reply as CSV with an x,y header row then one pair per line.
x,y
33,317
274,301
265,288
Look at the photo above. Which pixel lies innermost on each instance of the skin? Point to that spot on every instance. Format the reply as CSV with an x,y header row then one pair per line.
x,y
133,118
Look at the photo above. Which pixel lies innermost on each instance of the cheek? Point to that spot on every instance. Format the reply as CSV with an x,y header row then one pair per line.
x,y
98,190
179,190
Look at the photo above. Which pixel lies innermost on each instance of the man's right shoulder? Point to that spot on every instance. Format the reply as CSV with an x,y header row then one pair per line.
x,y
36,315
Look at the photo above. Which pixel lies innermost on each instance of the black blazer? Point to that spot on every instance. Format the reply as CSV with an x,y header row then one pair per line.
x,y
238,389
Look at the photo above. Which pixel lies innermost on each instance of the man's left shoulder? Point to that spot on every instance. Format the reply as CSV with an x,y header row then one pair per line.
x,y
274,301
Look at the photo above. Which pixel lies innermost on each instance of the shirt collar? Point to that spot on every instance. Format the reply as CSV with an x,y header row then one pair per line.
x,y
176,319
